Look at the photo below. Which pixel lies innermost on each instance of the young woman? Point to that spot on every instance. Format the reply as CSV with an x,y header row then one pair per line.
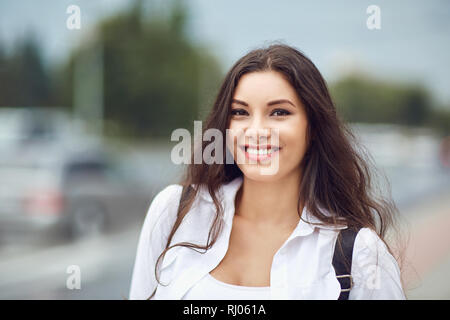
x,y
235,232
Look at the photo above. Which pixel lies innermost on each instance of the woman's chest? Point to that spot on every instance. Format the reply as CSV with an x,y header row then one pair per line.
x,y
295,265
249,256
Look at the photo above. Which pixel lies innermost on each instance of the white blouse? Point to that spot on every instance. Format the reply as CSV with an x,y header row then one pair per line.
x,y
209,288
301,268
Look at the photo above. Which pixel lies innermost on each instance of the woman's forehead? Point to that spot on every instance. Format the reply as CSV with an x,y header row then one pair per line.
x,y
263,87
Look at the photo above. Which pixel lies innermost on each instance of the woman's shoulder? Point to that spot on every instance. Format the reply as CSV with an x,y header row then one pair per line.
x,y
371,250
369,243
368,239
375,270
167,195
163,207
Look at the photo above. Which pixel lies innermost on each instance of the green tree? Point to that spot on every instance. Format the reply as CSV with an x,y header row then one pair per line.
x,y
362,99
440,120
24,80
153,73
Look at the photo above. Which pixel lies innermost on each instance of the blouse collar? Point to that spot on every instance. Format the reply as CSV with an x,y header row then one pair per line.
x,y
227,193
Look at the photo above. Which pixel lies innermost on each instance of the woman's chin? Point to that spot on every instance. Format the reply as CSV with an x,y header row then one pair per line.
x,y
260,173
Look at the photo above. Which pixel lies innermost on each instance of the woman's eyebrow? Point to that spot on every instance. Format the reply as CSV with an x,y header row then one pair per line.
x,y
239,102
280,101
271,103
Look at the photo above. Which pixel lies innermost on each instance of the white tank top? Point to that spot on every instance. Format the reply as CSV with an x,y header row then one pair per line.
x,y
209,288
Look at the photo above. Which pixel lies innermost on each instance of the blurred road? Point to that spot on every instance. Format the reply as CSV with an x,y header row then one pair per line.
x,y
106,262
428,253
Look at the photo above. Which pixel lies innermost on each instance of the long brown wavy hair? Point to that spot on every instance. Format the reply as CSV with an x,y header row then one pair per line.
x,y
336,170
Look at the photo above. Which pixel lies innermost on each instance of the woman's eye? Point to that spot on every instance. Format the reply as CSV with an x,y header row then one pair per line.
x,y
238,112
280,112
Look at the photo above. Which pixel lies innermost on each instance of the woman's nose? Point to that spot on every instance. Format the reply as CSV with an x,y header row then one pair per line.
x,y
257,130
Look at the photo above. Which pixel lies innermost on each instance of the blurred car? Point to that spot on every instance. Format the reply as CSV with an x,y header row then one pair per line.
x,y
67,193
55,180
22,126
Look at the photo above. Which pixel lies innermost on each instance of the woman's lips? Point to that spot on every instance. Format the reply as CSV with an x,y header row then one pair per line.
x,y
260,153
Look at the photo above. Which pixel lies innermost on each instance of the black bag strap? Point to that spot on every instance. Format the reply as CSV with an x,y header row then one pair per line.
x,y
342,260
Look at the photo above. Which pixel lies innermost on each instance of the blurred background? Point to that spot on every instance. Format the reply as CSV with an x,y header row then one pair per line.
x,y
89,96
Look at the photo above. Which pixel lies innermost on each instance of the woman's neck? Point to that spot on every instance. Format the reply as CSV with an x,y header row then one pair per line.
x,y
273,203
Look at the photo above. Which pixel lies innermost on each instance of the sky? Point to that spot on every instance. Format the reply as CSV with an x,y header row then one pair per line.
x,y
411,45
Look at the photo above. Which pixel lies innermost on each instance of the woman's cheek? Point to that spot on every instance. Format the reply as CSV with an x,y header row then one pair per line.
x,y
234,136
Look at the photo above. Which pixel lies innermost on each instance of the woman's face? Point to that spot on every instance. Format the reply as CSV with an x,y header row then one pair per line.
x,y
268,126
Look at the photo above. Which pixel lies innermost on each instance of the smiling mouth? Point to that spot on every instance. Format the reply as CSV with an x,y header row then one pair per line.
x,y
256,152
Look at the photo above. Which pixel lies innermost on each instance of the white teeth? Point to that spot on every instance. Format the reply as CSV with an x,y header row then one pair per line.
x,y
259,152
